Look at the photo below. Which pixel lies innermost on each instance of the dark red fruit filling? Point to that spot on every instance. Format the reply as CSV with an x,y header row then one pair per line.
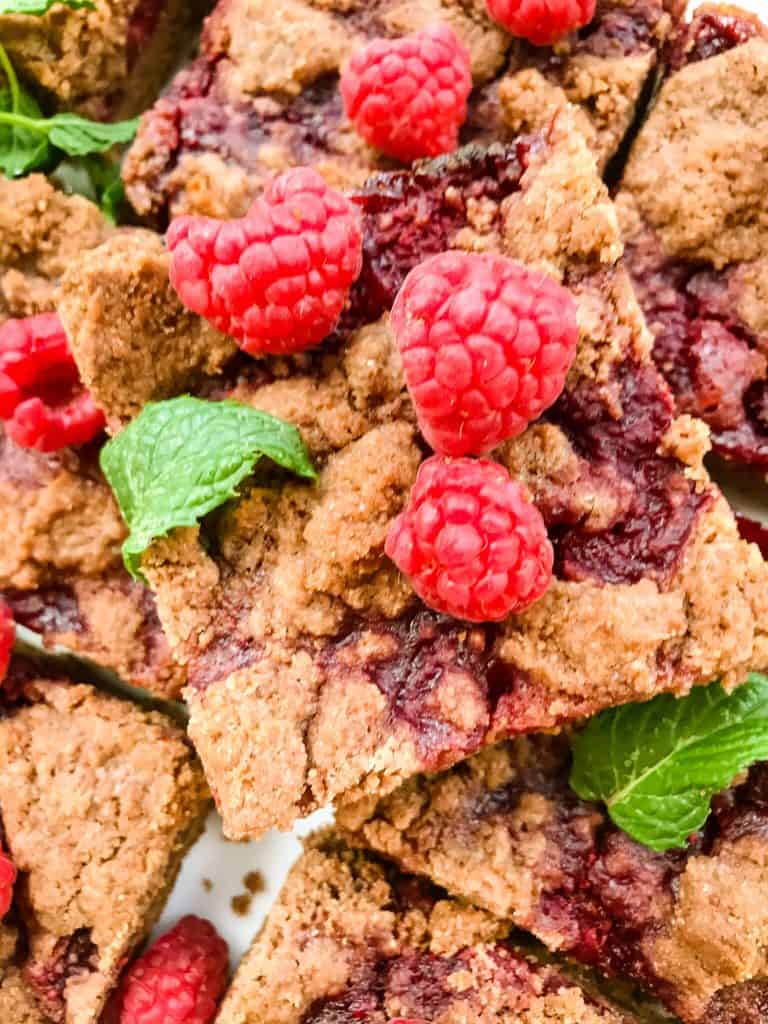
x,y
713,364
418,984
42,401
754,531
410,215
47,610
72,955
712,30
6,638
141,27
658,505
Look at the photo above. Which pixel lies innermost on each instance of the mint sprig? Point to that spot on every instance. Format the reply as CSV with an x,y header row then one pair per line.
x,y
96,178
182,458
37,8
28,139
656,766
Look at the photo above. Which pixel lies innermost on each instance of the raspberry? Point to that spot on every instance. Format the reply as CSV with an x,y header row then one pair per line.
x,y
471,542
408,97
42,400
541,22
179,980
277,279
6,638
7,882
486,346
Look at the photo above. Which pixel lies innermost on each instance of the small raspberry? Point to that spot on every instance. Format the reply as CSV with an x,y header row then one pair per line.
x,y
6,638
42,400
7,882
408,97
486,346
277,279
471,542
541,22
179,980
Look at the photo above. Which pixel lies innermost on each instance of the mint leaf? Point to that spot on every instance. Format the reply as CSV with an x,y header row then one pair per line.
x,y
39,7
657,765
112,198
77,136
96,178
180,459
21,150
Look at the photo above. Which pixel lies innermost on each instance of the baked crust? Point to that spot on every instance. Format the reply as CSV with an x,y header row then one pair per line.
x,y
349,934
99,802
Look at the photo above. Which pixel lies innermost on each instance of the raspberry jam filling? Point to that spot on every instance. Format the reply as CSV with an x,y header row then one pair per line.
x,y
712,362
46,610
419,984
72,956
141,27
712,31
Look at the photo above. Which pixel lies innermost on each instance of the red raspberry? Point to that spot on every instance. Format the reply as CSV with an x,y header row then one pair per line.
x,y
7,637
541,22
179,980
486,346
42,401
408,97
7,882
471,542
277,279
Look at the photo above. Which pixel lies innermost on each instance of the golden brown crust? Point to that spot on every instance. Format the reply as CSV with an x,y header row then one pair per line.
x,y
99,803
341,914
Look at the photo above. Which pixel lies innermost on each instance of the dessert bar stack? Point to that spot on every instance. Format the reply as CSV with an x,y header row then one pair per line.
x,y
252,456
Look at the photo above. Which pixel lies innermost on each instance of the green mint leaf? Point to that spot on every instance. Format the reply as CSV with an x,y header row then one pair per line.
x,y
180,459
40,7
96,178
77,136
112,199
657,765
21,150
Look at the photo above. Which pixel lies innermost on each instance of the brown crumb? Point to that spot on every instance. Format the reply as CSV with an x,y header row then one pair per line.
x,y
241,904
254,882
207,885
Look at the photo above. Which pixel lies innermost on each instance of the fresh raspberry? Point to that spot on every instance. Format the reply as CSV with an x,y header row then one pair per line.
x,y
277,279
6,638
179,980
42,400
408,97
7,882
541,22
471,542
486,345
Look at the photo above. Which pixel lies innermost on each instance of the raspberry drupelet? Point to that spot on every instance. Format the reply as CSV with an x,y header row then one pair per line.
x,y
486,345
275,280
179,980
42,400
541,22
408,97
7,882
470,541
6,638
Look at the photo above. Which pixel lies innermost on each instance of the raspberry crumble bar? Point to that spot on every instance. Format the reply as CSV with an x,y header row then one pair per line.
x,y
60,565
299,636
264,92
99,801
505,831
351,939
692,204
107,61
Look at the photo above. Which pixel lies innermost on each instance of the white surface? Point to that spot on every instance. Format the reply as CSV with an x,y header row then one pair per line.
x,y
225,864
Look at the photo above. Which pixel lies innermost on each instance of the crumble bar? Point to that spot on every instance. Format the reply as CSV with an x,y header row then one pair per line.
x,y
505,831
106,62
99,801
694,213
314,672
60,564
351,939
263,94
